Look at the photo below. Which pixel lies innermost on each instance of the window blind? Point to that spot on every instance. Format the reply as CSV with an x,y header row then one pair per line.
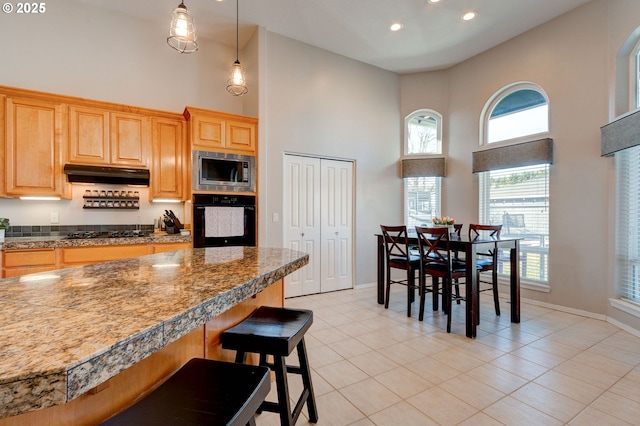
x,y
627,223
421,200
518,198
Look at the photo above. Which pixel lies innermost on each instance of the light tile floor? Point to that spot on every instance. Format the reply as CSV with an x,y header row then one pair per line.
x,y
375,366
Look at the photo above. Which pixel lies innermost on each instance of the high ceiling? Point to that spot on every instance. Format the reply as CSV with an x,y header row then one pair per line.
x,y
433,34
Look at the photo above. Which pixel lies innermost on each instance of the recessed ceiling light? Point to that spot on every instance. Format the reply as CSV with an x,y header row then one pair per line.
x,y
396,26
469,15
434,1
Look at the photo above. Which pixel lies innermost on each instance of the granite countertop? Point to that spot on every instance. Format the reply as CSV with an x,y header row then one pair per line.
x,y
66,331
28,243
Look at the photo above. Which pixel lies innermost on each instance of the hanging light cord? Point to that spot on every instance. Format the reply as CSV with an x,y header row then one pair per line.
x,y
237,20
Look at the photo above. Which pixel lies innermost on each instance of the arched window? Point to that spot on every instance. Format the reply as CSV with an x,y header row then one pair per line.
x,y
422,140
519,110
514,177
423,133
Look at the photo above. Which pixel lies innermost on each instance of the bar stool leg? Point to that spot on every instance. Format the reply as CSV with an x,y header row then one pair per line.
x,y
306,381
282,386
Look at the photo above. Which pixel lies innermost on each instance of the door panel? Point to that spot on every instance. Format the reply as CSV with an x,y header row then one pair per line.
x,y
301,199
336,219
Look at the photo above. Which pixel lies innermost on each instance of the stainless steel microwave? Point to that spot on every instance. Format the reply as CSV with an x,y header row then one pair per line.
x,y
218,171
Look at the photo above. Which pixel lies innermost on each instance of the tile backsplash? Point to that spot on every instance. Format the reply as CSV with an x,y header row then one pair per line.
x,y
63,230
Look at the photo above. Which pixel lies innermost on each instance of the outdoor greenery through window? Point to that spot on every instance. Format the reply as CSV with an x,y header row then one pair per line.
x,y
518,198
422,200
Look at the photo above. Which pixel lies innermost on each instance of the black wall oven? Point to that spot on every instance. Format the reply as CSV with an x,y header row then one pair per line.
x,y
224,220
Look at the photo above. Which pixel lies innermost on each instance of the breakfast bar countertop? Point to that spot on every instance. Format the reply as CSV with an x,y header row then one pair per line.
x,y
64,332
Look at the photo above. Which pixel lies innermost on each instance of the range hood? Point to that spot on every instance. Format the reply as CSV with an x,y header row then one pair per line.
x,y
100,174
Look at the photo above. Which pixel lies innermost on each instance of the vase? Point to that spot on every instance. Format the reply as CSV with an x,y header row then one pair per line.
x,y
1,235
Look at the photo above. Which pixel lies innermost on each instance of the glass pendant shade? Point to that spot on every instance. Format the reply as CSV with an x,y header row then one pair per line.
x,y
237,85
182,31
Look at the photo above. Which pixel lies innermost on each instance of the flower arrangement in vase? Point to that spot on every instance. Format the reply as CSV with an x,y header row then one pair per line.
x,y
444,221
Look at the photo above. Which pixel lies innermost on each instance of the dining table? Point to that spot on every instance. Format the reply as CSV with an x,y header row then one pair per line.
x,y
470,247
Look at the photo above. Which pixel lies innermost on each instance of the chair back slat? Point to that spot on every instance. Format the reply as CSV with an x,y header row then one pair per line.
x,y
396,241
436,248
492,231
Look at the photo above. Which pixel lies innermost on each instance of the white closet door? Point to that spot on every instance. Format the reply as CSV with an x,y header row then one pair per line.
x,y
301,221
336,220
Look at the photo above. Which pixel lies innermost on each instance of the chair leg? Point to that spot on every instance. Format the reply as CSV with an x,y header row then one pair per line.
x,y
447,301
435,289
386,298
423,295
496,300
411,285
457,286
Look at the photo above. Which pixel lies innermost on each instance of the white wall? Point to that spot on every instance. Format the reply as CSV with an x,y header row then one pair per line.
x,y
323,104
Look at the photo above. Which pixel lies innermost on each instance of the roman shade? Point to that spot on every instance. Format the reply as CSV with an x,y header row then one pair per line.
x,y
422,167
523,154
620,134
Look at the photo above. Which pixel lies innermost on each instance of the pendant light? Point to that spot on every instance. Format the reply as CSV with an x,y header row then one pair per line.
x,y
237,84
182,31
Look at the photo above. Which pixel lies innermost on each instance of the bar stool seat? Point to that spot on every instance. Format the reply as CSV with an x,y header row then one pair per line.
x,y
277,332
202,392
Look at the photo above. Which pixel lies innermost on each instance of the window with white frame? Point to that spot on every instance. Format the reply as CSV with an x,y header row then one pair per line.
x,y
423,133
514,189
627,164
423,139
627,223
517,111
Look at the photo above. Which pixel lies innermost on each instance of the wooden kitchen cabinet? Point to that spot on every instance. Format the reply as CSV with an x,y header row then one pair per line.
x,y
77,256
88,135
217,131
35,130
99,136
130,136
21,262
169,163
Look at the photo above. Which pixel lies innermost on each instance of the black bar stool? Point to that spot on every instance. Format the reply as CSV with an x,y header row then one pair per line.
x,y
277,331
201,392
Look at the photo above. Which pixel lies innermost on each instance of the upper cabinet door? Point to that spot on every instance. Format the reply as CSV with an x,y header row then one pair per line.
x,y
207,132
35,130
241,136
169,165
88,135
130,139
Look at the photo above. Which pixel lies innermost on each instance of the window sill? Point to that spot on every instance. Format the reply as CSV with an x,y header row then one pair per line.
x,y
628,307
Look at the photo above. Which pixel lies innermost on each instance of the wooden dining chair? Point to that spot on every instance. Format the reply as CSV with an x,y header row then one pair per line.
x,y
398,256
437,260
487,260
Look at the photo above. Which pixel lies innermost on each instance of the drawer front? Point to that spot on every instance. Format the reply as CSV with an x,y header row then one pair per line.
x,y
20,258
87,255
